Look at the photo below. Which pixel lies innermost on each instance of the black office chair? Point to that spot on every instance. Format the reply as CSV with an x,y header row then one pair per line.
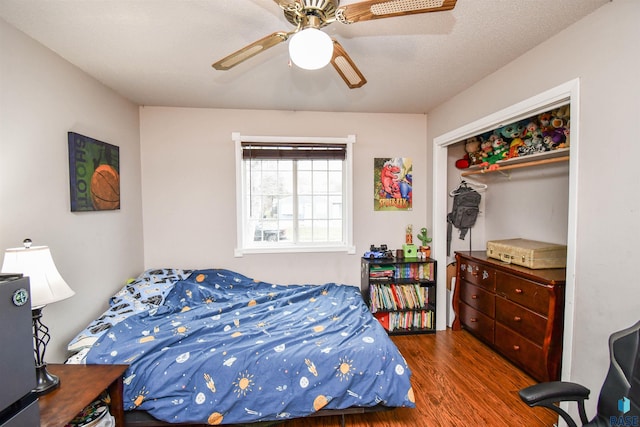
x,y
620,393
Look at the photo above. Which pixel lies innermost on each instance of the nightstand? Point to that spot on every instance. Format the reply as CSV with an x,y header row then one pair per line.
x,y
79,386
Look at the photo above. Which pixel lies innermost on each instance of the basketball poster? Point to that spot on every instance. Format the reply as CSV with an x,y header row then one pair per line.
x,y
94,174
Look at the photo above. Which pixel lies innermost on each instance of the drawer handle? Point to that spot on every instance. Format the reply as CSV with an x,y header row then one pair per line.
x,y
474,296
473,320
517,318
518,291
516,347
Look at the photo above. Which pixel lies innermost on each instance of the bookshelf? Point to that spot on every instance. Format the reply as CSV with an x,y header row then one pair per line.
x,y
401,293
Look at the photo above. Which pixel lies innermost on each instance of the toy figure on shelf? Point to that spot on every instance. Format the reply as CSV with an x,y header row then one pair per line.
x,y
423,236
473,153
409,234
425,249
499,151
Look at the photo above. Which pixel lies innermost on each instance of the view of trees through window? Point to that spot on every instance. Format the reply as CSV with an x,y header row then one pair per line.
x,y
294,201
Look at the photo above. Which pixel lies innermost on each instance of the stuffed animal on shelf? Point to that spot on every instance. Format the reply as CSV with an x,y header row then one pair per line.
x,y
423,236
557,131
473,148
532,144
473,152
499,151
514,130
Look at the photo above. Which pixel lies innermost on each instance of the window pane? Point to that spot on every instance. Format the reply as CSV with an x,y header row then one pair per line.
x,y
285,182
305,165
320,207
335,182
304,182
305,231
305,207
293,201
335,231
286,230
268,231
320,184
320,165
335,207
320,231
335,165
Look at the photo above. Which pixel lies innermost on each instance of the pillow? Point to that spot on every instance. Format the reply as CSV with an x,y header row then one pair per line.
x,y
143,293
212,285
150,288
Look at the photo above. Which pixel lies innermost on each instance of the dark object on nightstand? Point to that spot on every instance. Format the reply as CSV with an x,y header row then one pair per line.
x,y
18,403
619,400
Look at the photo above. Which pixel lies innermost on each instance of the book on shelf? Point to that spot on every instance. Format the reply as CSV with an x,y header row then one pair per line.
x,y
408,320
417,271
383,297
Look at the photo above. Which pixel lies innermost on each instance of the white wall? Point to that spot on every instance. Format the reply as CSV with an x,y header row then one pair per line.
x,y
42,97
600,51
188,181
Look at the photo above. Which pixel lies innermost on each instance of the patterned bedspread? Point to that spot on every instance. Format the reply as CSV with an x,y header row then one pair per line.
x,y
223,348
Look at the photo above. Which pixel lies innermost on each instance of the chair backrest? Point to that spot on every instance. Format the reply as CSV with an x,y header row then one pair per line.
x,y
623,378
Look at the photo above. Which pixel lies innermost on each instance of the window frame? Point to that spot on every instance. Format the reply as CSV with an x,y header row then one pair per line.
x,y
241,208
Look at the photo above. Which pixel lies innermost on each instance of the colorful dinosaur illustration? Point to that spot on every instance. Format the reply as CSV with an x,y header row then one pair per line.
x,y
389,179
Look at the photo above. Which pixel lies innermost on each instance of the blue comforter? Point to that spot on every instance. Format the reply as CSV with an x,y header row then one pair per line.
x,y
224,349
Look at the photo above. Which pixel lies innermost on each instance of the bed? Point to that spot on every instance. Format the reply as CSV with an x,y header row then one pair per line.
x,y
216,347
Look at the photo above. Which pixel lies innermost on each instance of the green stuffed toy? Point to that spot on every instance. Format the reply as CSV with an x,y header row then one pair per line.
x,y
423,236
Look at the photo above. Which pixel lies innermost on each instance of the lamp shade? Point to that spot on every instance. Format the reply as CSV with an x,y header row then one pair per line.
x,y
47,286
310,49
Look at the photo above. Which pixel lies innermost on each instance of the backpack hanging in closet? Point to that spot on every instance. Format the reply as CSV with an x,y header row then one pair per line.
x,y
466,202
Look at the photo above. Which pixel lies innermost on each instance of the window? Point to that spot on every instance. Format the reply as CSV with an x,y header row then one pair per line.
x,y
293,194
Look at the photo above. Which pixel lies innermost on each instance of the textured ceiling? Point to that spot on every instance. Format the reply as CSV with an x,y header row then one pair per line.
x,y
159,52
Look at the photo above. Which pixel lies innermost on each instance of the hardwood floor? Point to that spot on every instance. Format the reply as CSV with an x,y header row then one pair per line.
x,y
458,381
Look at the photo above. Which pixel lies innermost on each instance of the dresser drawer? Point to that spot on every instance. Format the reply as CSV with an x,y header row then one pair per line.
x,y
477,323
525,292
478,298
478,274
524,322
522,352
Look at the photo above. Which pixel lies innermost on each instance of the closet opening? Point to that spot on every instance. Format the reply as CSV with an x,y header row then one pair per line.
x,y
513,183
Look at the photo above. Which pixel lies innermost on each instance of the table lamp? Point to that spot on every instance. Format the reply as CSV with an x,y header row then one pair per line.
x,y
47,286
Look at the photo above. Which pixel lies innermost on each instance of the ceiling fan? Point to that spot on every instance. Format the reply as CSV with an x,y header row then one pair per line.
x,y
309,16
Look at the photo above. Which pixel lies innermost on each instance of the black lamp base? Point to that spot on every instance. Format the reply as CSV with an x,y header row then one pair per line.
x,y
46,382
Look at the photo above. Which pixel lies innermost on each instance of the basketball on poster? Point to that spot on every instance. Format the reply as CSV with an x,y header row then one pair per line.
x,y
94,174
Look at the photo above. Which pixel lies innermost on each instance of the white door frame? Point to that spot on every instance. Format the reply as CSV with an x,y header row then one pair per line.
x,y
536,104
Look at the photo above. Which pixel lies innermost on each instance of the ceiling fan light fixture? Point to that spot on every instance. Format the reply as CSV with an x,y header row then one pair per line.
x,y
311,49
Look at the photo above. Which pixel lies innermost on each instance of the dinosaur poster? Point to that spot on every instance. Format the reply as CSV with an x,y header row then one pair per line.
x,y
392,184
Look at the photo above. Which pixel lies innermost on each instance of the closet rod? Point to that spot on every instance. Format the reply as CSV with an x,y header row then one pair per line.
x,y
518,165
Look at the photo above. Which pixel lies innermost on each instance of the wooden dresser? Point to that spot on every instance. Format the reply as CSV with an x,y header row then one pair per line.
x,y
516,310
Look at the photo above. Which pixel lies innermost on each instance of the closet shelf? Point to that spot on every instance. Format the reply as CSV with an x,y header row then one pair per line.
x,y
524,162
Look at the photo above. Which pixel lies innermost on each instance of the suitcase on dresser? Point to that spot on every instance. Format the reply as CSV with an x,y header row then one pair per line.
x,y
528,253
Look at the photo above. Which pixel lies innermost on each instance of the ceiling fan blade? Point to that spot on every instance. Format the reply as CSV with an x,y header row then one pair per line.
x,y
376,9
250,50
345,66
